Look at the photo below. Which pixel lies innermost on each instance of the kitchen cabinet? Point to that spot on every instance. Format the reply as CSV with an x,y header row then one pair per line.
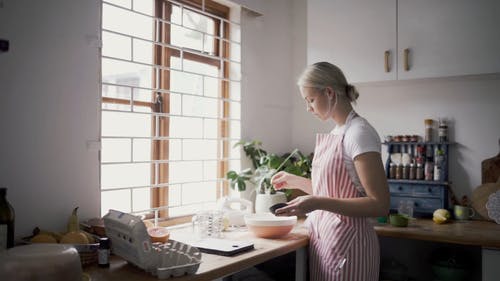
x,y
375,40
354,35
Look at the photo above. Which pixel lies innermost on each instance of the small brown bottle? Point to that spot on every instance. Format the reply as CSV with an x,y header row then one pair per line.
x,y
103,252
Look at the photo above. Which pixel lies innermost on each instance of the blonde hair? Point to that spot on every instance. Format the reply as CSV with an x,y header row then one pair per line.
x,y
324,74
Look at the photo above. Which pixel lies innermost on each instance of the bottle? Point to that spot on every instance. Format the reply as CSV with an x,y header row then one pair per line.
x,y
399,172
420,171
7,217
392,170
103,252
428,130
413,172
443,131
438,162
429,169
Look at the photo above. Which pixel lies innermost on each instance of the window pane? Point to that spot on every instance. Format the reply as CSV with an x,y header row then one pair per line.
x,y
142,150
211,87
183,37
174,195
115,150
125,175
127,22
210,170
126,124
117,46
188,171
175,149
200,68
175,104
210,128
235,110
175,16
199,106
198,21
141,199
123,3
235,52
143,51
115,199
186,83
234,71
198,192
144,6
235,90
185,127
199,149
234,130
126,73
191,209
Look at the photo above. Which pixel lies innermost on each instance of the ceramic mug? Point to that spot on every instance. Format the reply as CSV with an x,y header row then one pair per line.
x,y
463,212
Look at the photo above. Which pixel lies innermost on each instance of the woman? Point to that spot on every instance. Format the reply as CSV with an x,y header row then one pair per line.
x,y
347,186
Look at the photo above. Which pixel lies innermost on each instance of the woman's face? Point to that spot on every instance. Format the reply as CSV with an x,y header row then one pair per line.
x,y
318,102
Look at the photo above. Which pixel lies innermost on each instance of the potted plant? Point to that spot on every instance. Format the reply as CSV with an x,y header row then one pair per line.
x,y
264,166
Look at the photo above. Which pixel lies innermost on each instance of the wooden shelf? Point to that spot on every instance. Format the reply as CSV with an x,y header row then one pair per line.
x,y
419,182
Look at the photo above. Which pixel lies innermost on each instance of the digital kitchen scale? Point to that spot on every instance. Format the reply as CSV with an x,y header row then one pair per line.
x,y
224,247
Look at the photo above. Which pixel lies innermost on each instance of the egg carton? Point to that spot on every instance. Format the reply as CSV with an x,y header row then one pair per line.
x,y
130,240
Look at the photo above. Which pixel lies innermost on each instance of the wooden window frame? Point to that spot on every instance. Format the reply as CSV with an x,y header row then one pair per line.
x,y
159,196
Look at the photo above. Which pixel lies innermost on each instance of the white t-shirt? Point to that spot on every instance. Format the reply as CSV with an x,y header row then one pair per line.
x,y
359,138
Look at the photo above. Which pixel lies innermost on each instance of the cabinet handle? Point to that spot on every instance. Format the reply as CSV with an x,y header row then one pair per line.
x,y
406,53
386,61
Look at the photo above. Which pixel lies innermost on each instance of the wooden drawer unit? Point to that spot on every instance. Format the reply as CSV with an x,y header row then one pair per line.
x,y
425,197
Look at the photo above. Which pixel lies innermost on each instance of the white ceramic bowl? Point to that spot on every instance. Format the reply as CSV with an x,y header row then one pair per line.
x,y
41,262
269,225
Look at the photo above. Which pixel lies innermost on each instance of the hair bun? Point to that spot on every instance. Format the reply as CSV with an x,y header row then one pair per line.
x,y
351,92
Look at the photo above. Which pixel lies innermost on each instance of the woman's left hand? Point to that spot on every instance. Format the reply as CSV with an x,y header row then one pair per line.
x,y
298,206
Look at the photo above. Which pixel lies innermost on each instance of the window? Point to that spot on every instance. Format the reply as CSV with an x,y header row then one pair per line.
x,y
170,105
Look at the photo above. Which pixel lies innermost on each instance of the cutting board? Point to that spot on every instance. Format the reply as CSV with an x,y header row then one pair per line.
x,y
490,169
480,197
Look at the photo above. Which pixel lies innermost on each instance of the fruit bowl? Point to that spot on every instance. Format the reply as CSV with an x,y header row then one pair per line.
x,y
269,225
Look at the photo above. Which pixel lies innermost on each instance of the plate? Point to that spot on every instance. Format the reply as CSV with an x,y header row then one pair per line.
x,y
493,206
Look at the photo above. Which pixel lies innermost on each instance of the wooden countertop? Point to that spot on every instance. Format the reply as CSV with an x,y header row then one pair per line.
x,y
471,232
475,233
212,266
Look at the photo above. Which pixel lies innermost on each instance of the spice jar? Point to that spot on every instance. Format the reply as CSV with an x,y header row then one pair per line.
x,y
405,172
428,130
392,171
429,169
443,131
413,172
420,171
399,172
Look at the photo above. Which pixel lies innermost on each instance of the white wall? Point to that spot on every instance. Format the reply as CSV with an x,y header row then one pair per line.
x,y
49,109
267,70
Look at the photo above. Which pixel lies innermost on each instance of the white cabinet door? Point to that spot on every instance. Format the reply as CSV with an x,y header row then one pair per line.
x,y
448,37
354,35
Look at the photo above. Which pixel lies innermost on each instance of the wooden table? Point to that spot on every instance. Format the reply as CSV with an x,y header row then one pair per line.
x,y
215,266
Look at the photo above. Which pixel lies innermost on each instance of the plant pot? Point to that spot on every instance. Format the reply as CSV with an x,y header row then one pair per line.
x,y
264,201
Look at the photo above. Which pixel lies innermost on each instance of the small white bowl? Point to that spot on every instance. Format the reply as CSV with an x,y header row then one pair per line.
x,y
269,225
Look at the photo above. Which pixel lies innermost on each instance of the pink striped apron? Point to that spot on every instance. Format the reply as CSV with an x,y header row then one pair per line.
x,y
341,247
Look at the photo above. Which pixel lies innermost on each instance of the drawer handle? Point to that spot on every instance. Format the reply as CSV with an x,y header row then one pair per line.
x,y
429,189
400,188
406,53
386,60
416,204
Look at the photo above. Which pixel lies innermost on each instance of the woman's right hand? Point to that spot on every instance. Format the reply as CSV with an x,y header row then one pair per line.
x,y
283,180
